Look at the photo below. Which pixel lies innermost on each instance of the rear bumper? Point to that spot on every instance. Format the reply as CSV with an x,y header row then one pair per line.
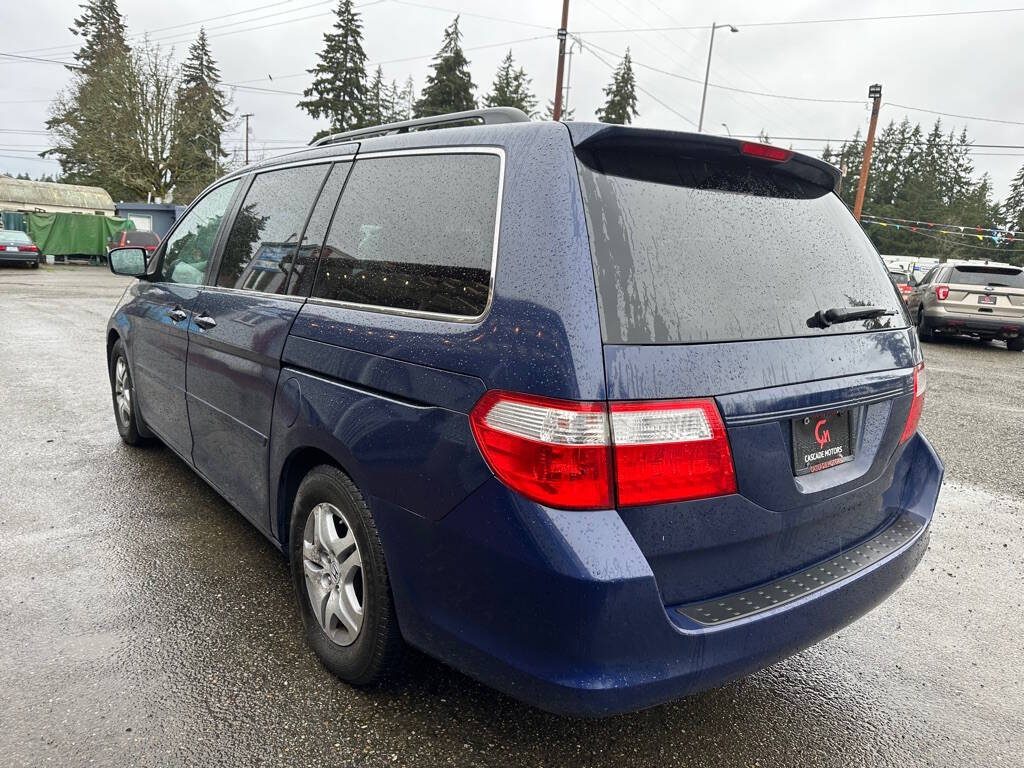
x,y
8,257
996,326
561,609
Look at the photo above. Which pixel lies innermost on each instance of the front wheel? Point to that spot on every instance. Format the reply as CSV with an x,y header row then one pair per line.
x,y
122,390
341,580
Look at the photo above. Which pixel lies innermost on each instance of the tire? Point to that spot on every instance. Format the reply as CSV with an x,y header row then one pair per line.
x,y
354,630
924,333
126,409
1015,345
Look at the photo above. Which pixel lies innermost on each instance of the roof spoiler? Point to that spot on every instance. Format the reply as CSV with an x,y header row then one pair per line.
x,y
593,137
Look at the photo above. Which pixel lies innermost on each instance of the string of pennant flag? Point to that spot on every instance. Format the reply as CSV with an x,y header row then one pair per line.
x,y
994,234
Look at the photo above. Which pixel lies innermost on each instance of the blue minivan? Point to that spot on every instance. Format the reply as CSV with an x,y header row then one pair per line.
x,y
601,416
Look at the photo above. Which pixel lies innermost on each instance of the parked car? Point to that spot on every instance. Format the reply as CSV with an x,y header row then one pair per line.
x,y
600,415
148,241
903,282
985,301
16,247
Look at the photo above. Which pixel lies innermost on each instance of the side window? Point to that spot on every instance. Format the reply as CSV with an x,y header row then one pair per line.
x,y
190,245
264,238
301,278
414,232
929,276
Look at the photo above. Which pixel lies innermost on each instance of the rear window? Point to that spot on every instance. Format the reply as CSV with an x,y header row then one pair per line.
x,y
994,276
687,250
15,236
142,239
900,278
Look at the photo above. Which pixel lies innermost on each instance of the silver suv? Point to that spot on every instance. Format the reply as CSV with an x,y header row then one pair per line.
x,y
981,300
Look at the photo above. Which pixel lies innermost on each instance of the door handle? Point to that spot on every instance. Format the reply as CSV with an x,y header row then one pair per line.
x,y
204,321
178,314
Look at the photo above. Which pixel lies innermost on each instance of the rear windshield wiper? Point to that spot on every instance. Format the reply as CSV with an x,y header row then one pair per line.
x,y
823,318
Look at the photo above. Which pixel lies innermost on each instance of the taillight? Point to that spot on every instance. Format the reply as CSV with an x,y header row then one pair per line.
x,y
552,451
765,151
920,387
29,248
905,289
563,453
670,451
941,292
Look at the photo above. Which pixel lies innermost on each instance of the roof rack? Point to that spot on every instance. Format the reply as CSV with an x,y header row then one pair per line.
x,y
490,116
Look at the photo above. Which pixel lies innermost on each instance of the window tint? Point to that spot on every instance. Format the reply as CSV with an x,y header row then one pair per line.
x,y
190,245
138,237
301,279
929,276
1006,277
264,237
415,233
690,250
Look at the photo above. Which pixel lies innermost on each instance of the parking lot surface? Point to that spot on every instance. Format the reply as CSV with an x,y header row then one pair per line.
x,y
145,622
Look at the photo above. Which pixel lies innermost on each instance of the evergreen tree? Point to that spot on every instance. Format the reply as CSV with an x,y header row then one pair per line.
x,y
379,100
405,100
511,88
202,116
449,88
1013,206
620,103
338,91
92,126
549,112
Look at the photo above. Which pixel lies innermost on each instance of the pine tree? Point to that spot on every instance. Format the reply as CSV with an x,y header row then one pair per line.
x,y
1013,206
450,87
511,88
405,101
338,91
549,112
620,104
91,123
379,100
202,115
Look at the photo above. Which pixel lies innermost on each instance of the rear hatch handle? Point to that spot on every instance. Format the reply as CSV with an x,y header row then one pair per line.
x,y
823,318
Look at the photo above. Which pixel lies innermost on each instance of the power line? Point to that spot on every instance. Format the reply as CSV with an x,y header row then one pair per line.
x,y
643,90
40,60
731,88
950,114
959,245
796,22
474,15
919,142
140,35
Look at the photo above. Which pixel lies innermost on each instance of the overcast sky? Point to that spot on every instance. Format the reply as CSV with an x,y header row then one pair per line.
x,y
967,65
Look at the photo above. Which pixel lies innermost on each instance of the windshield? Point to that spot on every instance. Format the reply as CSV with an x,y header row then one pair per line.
x,y
716,252
994,276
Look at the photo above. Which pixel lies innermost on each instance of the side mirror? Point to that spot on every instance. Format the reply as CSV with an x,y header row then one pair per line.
x,y
128,261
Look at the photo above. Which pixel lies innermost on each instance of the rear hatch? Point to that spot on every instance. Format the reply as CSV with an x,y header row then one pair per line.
x,y
985,289
716,265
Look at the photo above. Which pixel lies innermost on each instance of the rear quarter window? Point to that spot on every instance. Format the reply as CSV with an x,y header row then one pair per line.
x,y
414,233
687,250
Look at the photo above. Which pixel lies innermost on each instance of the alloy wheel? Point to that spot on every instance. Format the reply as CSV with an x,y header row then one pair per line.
x,y
123,392
333,568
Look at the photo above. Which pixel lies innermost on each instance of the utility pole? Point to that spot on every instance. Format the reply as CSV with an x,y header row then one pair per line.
x,y
563,32
247,115
875,94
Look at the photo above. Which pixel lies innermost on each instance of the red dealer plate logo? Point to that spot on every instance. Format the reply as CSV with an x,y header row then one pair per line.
x,y
821,441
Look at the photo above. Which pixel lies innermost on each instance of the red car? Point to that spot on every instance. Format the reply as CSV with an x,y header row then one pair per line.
x,y
902,281
136,238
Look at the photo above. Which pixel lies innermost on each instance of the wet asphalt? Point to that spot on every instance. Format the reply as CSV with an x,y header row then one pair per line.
x,y
144,622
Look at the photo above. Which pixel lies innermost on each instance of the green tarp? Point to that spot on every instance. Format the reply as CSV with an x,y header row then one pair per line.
x,y
74,234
